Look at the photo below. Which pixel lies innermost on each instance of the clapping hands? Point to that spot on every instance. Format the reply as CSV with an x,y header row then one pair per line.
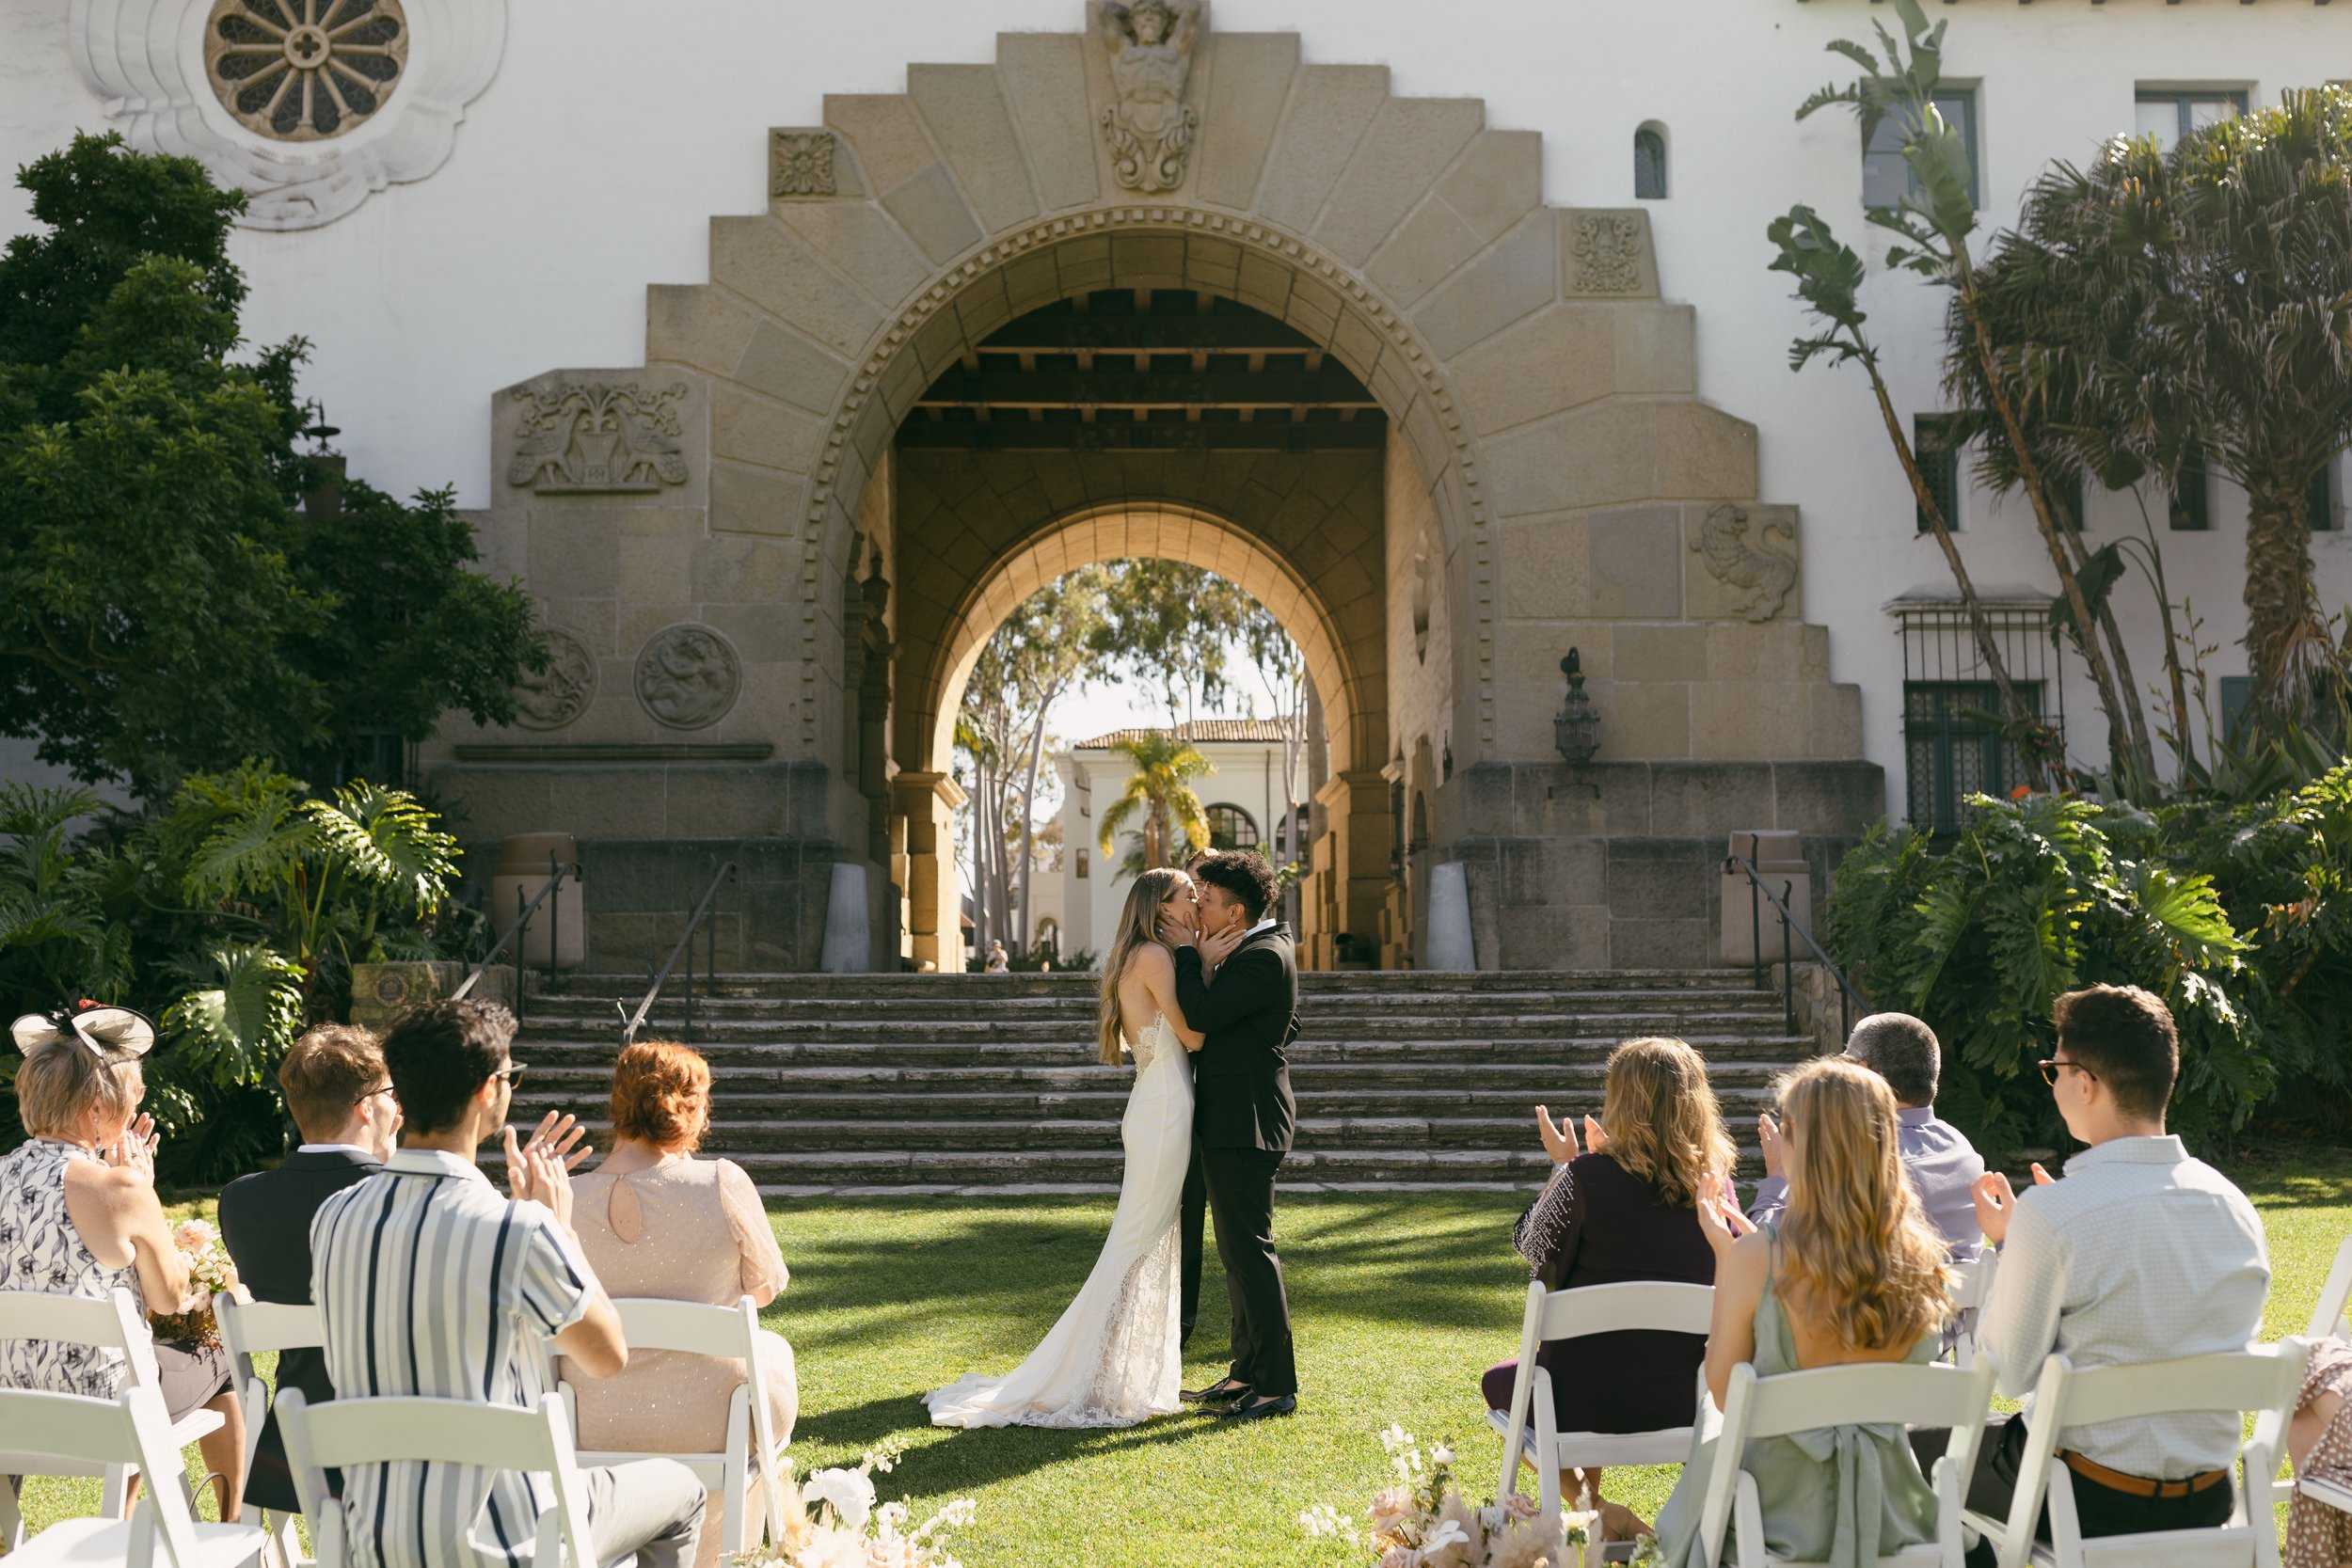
x,y
1721,1219
134,1151
536,1173
1996,1201
559,1134
1560,1141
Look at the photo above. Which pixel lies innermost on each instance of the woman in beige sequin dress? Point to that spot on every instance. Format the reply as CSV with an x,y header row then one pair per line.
x,y
655,1221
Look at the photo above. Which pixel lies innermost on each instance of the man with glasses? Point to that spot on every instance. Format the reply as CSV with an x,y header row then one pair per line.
x,y
2139,1254
431,1282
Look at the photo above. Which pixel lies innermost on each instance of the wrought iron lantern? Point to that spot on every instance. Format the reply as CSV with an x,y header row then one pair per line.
x,y
1576,728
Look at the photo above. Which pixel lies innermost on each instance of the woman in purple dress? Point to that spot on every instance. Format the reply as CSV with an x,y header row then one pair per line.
x,y
1625,1209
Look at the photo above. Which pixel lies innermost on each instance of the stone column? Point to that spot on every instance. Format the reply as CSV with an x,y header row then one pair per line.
x,y
1354,855
927,803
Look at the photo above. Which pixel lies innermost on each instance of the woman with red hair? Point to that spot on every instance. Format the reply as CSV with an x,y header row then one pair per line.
x,y
655,1221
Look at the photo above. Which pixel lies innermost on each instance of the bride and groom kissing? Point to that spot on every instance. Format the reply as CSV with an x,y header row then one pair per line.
x,y
1201,985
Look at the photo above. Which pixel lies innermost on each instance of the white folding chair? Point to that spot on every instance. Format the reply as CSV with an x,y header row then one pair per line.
x,y
732,1333
2262,1380
111,1323
249,1328
350,1433
85,1436
1971,1289
1870,1394
1531,1428
2327,1317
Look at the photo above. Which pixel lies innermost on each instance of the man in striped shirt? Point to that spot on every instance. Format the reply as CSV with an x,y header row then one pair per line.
x,y
431,1282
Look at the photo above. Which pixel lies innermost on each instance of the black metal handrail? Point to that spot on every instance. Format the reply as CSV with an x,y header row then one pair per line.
x,y
1789,923
557,871
631,1023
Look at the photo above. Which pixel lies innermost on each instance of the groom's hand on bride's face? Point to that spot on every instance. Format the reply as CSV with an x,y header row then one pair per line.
x,y
1175,930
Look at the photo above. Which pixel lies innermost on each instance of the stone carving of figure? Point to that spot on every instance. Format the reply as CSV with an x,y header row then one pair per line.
x,y
1762,576
554,699
687,676
1150,128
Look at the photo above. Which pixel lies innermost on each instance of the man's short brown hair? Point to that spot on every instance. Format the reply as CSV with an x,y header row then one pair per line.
x,y
2125,1035
326,1073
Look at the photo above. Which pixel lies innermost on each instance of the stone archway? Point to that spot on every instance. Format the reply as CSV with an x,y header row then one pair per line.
x,y
1561,480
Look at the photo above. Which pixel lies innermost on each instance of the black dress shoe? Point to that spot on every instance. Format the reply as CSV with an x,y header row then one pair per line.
x,y
1216,1393
1257,1409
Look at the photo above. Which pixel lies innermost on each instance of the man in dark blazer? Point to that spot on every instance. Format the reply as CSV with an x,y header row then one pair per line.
x,y
335,1085
1243,1112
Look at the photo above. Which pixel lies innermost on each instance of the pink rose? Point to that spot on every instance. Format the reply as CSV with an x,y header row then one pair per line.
x,y
1393,1502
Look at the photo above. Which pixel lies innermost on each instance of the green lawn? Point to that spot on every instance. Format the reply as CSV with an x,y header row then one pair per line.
x,y
1399,1304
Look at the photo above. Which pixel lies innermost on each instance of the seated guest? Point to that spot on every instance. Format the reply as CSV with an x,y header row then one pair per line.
x,y
1943,1166
1626,1209
655,1221
335,1088
2139,1254
82,1219
2319,1442
1850,1272
431,1283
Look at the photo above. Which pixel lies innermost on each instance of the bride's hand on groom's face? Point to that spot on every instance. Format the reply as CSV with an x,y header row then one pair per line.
x,y
1216,948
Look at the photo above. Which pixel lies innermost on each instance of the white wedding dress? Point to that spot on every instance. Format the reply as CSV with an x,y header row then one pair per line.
x,y
1114,1358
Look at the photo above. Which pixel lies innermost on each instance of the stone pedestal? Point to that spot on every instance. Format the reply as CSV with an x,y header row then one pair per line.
x,y
925,805
1750,923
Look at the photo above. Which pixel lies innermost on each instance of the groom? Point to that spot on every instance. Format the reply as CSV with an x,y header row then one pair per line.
x,y
1242,1111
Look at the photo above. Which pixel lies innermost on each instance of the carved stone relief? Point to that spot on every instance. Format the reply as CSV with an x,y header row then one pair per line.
x,y
802,163
688,677
1607,248
584,437
301,71
1150,128
1762,576
265,93
554,699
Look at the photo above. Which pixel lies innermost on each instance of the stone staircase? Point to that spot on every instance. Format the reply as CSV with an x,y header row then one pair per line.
x,y
866,1085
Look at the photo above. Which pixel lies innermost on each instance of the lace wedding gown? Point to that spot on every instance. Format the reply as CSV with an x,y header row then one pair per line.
x,y
1113,1359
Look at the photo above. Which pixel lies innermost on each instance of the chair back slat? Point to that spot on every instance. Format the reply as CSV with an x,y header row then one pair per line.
x,y
113,1323
70,1427
2327,1316
457,1431
650,1323
1672,1307
249,1328
2232,1380
1867,1394
1972,1282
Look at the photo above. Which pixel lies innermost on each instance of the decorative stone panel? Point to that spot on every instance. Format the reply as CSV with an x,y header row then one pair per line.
x,y
603,433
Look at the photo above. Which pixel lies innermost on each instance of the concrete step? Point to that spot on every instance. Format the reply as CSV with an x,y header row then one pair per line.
x,y
1353,982
726,1054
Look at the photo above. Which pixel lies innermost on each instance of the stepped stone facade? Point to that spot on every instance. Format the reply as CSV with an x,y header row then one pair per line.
x,y
768,600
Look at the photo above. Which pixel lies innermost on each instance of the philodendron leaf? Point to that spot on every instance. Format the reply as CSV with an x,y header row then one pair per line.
x,y
234,1027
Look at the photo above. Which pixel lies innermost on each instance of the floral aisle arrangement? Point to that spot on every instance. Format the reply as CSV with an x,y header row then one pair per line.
x,y
209,1273
1421,1520
831,1521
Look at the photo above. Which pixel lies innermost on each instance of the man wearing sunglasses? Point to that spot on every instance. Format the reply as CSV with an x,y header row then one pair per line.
x,y
2139,1254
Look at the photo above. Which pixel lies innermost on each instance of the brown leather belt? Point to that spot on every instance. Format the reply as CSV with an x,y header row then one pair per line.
x,y
2140,1486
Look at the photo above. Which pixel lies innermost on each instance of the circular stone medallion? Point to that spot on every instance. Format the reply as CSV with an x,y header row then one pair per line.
x,y
304,69
554,700
688,677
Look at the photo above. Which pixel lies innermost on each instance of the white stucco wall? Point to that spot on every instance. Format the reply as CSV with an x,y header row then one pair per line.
x,y
613,132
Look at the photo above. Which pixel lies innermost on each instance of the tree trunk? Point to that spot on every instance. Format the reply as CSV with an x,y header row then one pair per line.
x,y
2124,718
1028,808
2286,643
1988,647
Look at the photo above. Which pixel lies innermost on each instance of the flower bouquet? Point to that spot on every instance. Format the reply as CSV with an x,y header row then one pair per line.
x,y
831,1521
209,1272
1421,1520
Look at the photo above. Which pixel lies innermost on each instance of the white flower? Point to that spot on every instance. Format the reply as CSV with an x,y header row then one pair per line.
x,y
850,1493
1442,1456
891,1518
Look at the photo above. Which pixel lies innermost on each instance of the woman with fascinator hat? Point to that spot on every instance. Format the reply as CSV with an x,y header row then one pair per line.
x,y
79,1216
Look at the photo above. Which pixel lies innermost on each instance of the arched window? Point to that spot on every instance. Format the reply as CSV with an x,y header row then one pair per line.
x,y
1232,828
1649,163
1049,935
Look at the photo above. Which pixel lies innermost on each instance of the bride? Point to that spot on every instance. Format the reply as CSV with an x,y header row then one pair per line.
x,y
1114,1360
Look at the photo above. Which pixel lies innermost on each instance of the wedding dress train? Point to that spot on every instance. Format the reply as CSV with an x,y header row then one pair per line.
x,y
1114,1358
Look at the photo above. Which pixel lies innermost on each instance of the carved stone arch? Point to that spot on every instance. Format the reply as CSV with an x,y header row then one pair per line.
x,y
1541,395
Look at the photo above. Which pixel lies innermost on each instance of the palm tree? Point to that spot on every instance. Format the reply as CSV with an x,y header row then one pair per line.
x,y
1160,788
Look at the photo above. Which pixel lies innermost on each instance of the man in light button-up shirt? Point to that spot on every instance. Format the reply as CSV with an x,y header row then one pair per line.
x,y
2140,1253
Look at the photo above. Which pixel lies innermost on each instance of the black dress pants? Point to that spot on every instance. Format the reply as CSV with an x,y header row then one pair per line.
x,y
2101,1510
1192,1221
1241,1195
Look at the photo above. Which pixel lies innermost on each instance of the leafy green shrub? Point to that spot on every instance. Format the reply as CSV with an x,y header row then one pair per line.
x,y
231,917
2034,899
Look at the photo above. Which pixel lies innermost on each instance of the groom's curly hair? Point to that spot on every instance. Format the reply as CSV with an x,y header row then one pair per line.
x,y
1244,874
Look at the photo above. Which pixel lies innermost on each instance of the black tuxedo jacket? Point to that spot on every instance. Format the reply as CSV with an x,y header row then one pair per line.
x,y
266,1224
1242,1080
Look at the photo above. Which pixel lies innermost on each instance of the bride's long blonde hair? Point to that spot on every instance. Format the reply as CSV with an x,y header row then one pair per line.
x,y
1139,923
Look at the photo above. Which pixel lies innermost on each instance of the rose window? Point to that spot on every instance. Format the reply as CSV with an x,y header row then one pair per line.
x,y
305,69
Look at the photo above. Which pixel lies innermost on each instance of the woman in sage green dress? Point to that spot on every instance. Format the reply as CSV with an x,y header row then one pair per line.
x,y
1852,1273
